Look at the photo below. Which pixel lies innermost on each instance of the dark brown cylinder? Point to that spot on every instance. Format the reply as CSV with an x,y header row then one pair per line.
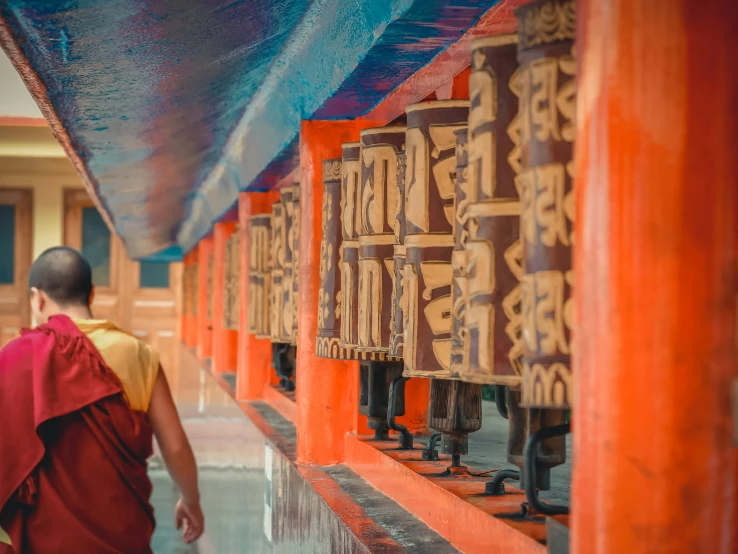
x,y
276,292
259,236
547,128
396,329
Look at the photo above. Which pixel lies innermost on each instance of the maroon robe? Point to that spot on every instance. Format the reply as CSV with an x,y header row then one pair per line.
x,y
72,452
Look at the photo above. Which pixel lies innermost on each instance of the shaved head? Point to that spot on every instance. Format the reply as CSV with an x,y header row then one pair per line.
x,y
64,275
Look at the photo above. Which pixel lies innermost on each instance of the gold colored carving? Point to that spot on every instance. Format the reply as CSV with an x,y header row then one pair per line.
x,y
231,283
351,171
332,171
370,302
546,22
549,386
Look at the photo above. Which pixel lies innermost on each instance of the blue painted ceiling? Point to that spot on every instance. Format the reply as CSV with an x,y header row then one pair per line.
x,y
173,107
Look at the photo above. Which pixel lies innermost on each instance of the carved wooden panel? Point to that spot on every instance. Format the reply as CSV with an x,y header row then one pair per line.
x,y
231,292
491,330
430,184
396,328
547,129
378,188
295,259
328,344
277,241
288,244
259,237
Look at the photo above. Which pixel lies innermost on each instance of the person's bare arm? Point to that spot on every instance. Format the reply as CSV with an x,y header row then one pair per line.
x,y
178,457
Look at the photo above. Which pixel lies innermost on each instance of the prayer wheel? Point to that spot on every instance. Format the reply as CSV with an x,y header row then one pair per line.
x,y
378,190
295,259
328,343
546,52
488,221
396,333
277,239
260,260
429,214
288,244
458,256
349,251
231,283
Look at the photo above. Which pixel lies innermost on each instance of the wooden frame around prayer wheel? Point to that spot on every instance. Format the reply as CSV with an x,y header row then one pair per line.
x,y
328,340
429,212
547,84
377,191
488,221
260,278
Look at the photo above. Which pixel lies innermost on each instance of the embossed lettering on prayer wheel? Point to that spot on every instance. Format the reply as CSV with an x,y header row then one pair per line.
x,y
458,257
328,344
259,237
546,32
396,333
490,216
288,245
378,189
429,213
276,293
349,253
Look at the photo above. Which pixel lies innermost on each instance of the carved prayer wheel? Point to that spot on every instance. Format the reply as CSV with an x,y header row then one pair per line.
x,y
295,259
231,283
489,217
288,244
546,53
458,257
396,329
349,252
260,259
429,213
277,240
328,343
378,189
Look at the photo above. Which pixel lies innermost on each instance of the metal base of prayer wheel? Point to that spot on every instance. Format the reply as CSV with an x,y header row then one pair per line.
x,y
283,362
455,411
375,380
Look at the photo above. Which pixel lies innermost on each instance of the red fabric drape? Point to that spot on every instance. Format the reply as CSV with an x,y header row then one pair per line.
x,y
72,453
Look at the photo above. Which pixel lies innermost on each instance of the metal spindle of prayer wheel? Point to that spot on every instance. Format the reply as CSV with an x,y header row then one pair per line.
x,y
328,340
396,333
259,237
430,184
546,53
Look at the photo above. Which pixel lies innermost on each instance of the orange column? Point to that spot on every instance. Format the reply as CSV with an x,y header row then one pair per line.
x,y
204,317
324,387
656,286
225,341
254,355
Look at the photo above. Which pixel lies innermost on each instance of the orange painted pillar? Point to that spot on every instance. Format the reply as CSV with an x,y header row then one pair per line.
x,y
204,301
325,394
191,318
655,353
254,355
225,341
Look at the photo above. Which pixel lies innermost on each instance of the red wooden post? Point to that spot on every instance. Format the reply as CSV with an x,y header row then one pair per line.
x,y
656,262
204,300
254,355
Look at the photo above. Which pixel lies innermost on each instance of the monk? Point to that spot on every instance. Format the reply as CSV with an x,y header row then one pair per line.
x,y
79,402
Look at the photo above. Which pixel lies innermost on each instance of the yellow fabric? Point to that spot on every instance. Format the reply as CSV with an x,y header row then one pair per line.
x,y
134,362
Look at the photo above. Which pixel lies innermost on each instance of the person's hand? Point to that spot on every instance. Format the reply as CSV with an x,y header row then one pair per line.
x,y
189,515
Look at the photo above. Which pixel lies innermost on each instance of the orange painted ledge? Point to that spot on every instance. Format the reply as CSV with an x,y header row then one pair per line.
x,y
454,507
286,407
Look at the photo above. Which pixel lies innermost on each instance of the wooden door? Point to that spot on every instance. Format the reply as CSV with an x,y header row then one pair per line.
x,y
85,230
16,243
142,298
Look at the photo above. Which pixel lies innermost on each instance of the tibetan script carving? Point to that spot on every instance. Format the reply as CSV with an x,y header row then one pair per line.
x,y
378,187
295,259
288,286
491,259
547,127
396,332
277,261
231,282
430,184
260,279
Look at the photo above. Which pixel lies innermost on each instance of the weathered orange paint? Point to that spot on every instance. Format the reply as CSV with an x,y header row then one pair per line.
x,y
656,278
460,85
280,402
191,320
204,325
324,407
453,507
254,355
225,341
